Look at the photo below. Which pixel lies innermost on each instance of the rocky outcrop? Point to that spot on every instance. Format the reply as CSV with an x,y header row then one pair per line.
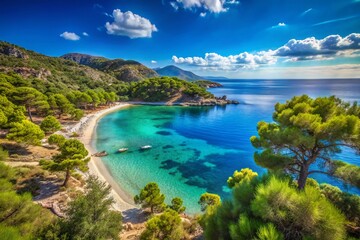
x,y
12,51
200,101
83,59
42,73
208,102
208,84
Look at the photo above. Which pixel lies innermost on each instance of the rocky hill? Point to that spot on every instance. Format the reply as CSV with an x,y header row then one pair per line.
x,y
173,71
50,72
123,70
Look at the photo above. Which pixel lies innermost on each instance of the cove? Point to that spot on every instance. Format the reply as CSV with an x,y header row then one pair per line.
x,y
195,149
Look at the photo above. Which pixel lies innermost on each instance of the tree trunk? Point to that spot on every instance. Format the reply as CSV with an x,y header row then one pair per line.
x,y
303,176
29,113
152,209
67,176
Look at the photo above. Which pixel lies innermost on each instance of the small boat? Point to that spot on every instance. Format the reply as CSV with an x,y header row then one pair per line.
x,y
145,147
100,154
122,150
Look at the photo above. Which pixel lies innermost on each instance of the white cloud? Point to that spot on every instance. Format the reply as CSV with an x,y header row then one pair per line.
x,y
70,36
312,48
231,62
213,6
108,15
279,25
306,12
336,20
130,25
174,5
294,50
232,2
203,14
153,62
85,34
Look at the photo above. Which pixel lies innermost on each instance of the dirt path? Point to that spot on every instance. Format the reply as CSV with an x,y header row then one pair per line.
x,y
175,98
17,164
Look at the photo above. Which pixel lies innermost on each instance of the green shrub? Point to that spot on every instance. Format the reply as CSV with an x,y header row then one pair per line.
x,y
50,124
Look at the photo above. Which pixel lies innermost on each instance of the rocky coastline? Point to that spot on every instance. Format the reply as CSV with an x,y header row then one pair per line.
x,y
200,101
209,102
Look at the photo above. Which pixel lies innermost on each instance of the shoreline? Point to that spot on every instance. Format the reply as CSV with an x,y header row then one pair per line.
x,y
87,127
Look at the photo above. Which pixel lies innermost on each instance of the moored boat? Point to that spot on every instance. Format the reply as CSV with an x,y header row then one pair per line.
x,y
100,154
122,150
145,147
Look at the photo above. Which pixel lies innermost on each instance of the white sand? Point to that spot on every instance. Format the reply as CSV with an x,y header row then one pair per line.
x,y
86,127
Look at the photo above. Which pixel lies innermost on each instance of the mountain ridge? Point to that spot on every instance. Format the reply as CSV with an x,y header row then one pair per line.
x,y
173,71
123,70
50,72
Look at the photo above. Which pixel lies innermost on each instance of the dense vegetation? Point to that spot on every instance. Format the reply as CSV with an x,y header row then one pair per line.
x,y
88,216
164,88
272,206
20,218
19,98
166,224
50,74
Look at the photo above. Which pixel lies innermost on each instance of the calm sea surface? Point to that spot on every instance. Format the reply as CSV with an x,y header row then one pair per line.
x,y
195,149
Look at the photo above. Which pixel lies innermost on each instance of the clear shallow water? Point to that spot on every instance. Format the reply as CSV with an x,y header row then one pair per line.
x,y
195,149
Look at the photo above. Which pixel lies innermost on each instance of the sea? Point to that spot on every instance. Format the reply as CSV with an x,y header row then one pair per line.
x,y
195,149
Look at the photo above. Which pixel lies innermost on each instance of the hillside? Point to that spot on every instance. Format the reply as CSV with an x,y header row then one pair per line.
x,y
174,91
54,74
173,71
124,70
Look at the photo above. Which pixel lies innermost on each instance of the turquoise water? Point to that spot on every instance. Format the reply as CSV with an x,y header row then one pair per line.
x,y
195,149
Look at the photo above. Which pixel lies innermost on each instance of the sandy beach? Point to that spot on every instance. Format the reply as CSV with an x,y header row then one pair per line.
x,y
86,127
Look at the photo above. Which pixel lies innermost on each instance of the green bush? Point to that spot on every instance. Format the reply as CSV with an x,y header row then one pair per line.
x,y
50,124
56,139
271,207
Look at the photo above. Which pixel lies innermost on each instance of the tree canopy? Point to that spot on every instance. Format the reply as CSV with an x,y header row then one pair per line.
x,y
307,132
246,174
20,218
166,226
29,97
50,124
9,112
60,104
271,207
150,197
88,216
56,139
177,205
209,200
25,132
163,88
73,154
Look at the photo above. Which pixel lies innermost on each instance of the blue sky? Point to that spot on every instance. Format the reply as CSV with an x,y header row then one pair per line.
x,y
233,38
